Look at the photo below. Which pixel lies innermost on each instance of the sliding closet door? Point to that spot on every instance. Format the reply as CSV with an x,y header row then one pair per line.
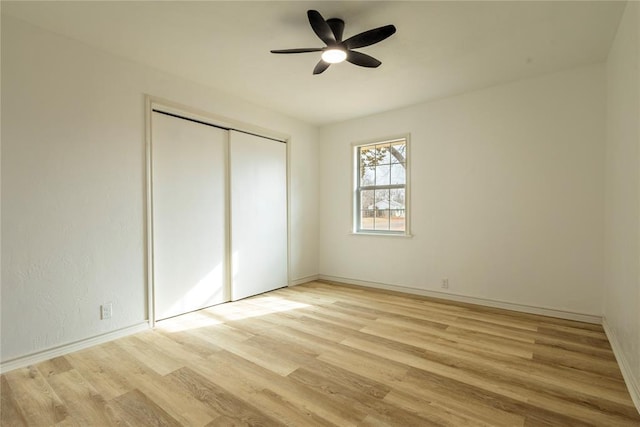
x,y
189,215
258,214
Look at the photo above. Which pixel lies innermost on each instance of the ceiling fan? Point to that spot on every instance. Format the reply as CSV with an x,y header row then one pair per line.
x,y
337,50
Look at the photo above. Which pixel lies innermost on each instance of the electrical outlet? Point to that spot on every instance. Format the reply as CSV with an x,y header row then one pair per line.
x,y
445,284
106,311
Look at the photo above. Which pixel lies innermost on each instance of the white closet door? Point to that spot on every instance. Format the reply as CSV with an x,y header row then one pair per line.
x,y
258,214
189,222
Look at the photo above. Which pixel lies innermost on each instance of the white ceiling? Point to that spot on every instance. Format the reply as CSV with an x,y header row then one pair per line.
x,y
440,48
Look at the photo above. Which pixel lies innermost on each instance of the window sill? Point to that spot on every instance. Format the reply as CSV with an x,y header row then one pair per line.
x,y
364,233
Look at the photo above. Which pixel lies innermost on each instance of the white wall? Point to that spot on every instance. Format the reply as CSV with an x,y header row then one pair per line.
x,y
507,195
622,202
73,182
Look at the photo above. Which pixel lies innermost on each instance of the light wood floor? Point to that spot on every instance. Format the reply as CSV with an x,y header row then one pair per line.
x,y
321,355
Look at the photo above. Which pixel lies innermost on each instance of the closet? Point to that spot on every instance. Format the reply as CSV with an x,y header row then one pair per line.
x,y
219,214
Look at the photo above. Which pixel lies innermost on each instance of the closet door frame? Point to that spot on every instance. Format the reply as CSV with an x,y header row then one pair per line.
x,y
159,104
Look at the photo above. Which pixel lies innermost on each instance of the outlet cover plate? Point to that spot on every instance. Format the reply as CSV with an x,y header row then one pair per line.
x,y
106,311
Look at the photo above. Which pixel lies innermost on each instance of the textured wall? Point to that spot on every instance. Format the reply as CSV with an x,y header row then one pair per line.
x,y
622,207
73,185
506,193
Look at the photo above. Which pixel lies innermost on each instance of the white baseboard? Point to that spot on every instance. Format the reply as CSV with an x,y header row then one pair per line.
x,y
544,311
303,280
41,356
633,383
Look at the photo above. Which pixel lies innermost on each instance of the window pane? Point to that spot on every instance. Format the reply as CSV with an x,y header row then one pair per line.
x,y
397,198
381,210
370,156
382,220
365,153
383,175
366,220
398,152
383,155
382,199
368,176
367,199
396,220
367,209
398,173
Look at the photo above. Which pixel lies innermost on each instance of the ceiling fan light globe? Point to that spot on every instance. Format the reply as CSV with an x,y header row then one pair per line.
x,y
334,56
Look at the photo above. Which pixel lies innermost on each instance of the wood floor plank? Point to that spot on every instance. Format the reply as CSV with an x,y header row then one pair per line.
x,y
304,397
523,372
551,371
494,399
247,382
415,360
432,317
157,343
561,376
54,366
85,405
313,299
345,379
140,348
340,319
108,380
494,380
361,404
10,413
504,331
414,395
558,343
580,361
449,416
460,309
178,405
191,342
362,363
296,354
484,340
223,402
137,409
592,339
221,333
287,412
324,354
257,355
38,403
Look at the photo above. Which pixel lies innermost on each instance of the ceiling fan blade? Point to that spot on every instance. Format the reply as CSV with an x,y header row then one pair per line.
x,y
363,60
337,28
320,67
299,50
370,37
320,27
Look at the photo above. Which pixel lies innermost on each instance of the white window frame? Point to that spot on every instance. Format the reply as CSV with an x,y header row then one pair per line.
x,y
355,193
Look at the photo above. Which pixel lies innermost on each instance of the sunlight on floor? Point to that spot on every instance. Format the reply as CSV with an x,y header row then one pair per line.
x,y
232,311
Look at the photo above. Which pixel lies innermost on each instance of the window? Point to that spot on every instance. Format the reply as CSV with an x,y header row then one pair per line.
x,y
381,190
